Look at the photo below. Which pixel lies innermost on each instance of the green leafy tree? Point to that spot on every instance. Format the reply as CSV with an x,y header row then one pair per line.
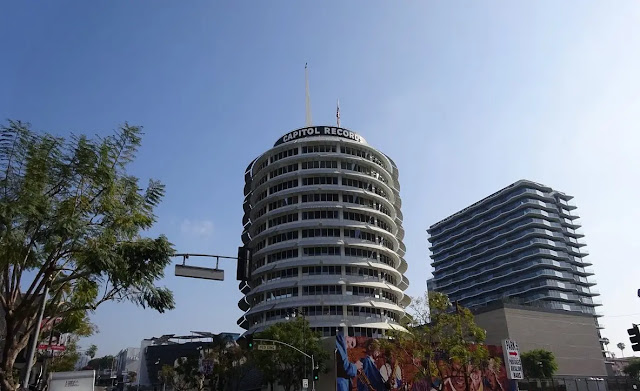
x,y
442,340
184,375
91,352
539,363
632,369
71,219
285,366
74,327
167,375
66,360
231,364
103,362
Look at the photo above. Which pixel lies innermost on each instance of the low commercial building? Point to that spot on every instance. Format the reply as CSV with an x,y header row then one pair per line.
x,y
572,336
157,352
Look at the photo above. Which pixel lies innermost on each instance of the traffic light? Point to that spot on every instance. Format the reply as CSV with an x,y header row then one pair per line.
x,y
243,272
316,372
246,342
634,337
249,342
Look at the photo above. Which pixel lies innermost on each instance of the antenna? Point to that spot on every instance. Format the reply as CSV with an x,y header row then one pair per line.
x,y
308,96
338,113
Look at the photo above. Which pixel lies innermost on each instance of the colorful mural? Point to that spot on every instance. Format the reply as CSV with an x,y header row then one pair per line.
x,y
362,366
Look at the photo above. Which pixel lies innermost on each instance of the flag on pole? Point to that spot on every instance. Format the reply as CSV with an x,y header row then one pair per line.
x,y
338,113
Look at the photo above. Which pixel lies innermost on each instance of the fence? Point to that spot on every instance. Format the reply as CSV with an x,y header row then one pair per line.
x,y
580,384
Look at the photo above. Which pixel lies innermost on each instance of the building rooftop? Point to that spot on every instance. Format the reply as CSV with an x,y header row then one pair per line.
x,y
520,183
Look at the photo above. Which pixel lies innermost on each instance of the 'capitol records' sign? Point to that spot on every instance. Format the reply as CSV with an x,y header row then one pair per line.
x,y
315,131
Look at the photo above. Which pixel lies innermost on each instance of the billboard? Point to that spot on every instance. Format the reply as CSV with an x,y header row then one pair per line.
x,y
360,366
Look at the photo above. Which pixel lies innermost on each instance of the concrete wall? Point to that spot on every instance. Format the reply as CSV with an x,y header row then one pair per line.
x,y
572,337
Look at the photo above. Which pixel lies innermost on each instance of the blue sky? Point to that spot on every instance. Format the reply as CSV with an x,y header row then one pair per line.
x,y
466,97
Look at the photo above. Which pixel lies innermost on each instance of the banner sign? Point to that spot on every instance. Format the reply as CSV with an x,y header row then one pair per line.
x,y
362,365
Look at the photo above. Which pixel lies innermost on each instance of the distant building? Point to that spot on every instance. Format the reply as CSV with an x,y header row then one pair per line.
x,y
573,337
616,366
127,360
520,242
83,360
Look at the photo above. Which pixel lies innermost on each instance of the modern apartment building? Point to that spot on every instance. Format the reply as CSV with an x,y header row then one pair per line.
x,y
520,244
323,220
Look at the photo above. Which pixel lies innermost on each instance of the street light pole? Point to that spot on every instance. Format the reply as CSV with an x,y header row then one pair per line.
x,y
36,335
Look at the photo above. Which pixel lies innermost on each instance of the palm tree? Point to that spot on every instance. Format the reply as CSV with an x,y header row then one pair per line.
x,y
621,346
91,352
605,342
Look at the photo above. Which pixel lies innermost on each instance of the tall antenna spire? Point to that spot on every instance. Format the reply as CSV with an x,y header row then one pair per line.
x,y
338,113
307,97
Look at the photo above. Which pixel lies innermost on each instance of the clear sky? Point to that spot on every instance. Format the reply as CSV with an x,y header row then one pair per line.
x,y
466,97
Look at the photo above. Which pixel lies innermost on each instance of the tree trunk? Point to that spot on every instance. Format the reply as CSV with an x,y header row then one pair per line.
x,y
14,343
18,330
6,369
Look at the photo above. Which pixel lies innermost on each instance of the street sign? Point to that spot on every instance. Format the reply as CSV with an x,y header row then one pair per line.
x,y
266,347
305,383
199,272
512,361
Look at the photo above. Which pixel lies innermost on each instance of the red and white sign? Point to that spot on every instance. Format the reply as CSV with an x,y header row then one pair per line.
x,y
55,343
55,348
512,361
48,323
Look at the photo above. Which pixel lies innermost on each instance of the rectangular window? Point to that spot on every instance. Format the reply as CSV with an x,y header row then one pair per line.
x,y
319,148
363,218
284,154
261,166
321,232
286,273
281,293
283,186
321,270
386,260
319,164
360,252
261,196
320,214
281,237
320,197
286,254
283,219
322,310
283,202
283,170
363,154
320,251
321,290
323,180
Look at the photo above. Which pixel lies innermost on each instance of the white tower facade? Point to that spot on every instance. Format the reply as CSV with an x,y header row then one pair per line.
x,y
323,220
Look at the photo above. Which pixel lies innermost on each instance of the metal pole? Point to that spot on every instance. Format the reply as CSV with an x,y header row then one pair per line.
x,y
48,357
313,369
36,334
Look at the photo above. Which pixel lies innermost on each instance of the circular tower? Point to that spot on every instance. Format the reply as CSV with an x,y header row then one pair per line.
x,y
322,219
